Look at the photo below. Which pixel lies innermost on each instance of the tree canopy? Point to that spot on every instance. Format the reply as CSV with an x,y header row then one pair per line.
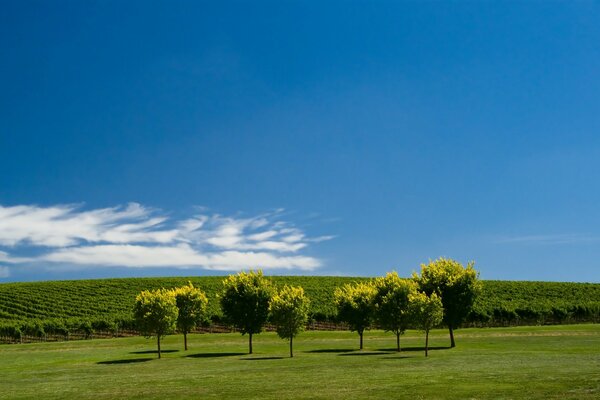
x,y
391,302
426,313
457,286
289,313
191,303
354,303
156,313
245,302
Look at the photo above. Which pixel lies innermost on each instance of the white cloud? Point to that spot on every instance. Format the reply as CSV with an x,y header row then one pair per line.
x,y
4,272
180,256
262,236
60,226
138,237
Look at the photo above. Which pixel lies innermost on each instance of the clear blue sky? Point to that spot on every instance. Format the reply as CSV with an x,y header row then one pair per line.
x,y
313,137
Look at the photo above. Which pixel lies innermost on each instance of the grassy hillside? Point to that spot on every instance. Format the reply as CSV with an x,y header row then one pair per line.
x,y
70,302
546,362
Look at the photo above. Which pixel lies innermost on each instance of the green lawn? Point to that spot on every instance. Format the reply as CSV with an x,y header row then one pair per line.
x,y
551,362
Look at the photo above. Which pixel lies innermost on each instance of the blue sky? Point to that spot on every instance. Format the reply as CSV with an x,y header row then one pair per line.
x,y
329,138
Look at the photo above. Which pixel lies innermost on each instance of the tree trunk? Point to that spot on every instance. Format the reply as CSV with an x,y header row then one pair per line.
x,y
250,343
291,351
158,342
452,343
185,341
426,342
361,339
398,341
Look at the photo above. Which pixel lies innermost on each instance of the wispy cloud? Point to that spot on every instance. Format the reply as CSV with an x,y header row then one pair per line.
x,y
550,239
63,225
140,237
4,272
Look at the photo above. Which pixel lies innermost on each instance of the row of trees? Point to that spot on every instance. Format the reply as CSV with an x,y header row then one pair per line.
x,y
443,292
392,303
248,301
159,312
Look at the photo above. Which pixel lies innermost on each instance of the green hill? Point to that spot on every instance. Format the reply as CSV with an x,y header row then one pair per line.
x,y
104,302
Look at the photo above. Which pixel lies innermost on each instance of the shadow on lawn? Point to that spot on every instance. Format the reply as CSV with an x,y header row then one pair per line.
x,y
393,349
152,351
128,361
363,353
214,355
330,351
262,358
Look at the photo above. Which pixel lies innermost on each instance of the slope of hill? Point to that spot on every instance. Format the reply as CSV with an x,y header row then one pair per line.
x,y
108,301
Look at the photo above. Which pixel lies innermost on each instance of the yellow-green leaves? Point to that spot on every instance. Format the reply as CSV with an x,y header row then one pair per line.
x,y
155,313
245,302
427,311
289,312
354,303
191,303
391,303
457,287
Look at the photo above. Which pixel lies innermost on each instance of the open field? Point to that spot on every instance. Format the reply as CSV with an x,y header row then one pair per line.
x,y
548,362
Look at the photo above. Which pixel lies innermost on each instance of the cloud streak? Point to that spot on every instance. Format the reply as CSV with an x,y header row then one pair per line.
x,y
135,236
550,239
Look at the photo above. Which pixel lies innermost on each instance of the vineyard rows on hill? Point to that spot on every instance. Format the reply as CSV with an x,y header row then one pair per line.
x,y
106,304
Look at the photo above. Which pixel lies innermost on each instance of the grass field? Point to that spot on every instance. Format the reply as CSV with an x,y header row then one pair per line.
x,y
547,362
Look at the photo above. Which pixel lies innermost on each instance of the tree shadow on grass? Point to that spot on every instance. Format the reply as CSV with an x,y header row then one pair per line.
x,y
262,358
153,351
363,353
214,355
393,349
127,361
329,351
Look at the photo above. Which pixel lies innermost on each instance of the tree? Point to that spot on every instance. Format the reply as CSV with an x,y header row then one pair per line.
x,y
245,302
391,302
155,313
457,286
191,304
354,304
427,312
289,313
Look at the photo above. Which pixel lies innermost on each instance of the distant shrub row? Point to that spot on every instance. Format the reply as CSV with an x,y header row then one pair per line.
x,y
37,328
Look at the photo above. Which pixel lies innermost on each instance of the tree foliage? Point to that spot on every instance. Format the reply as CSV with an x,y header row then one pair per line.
x,y
354,303
245,302
457,286
391,302
155,313
289,313
426,313
191,304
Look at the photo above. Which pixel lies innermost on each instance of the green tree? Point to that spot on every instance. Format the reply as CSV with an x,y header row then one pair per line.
x,y
191,303
457,286
289,313
354,304
245,302
155,313
427,312
392,305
